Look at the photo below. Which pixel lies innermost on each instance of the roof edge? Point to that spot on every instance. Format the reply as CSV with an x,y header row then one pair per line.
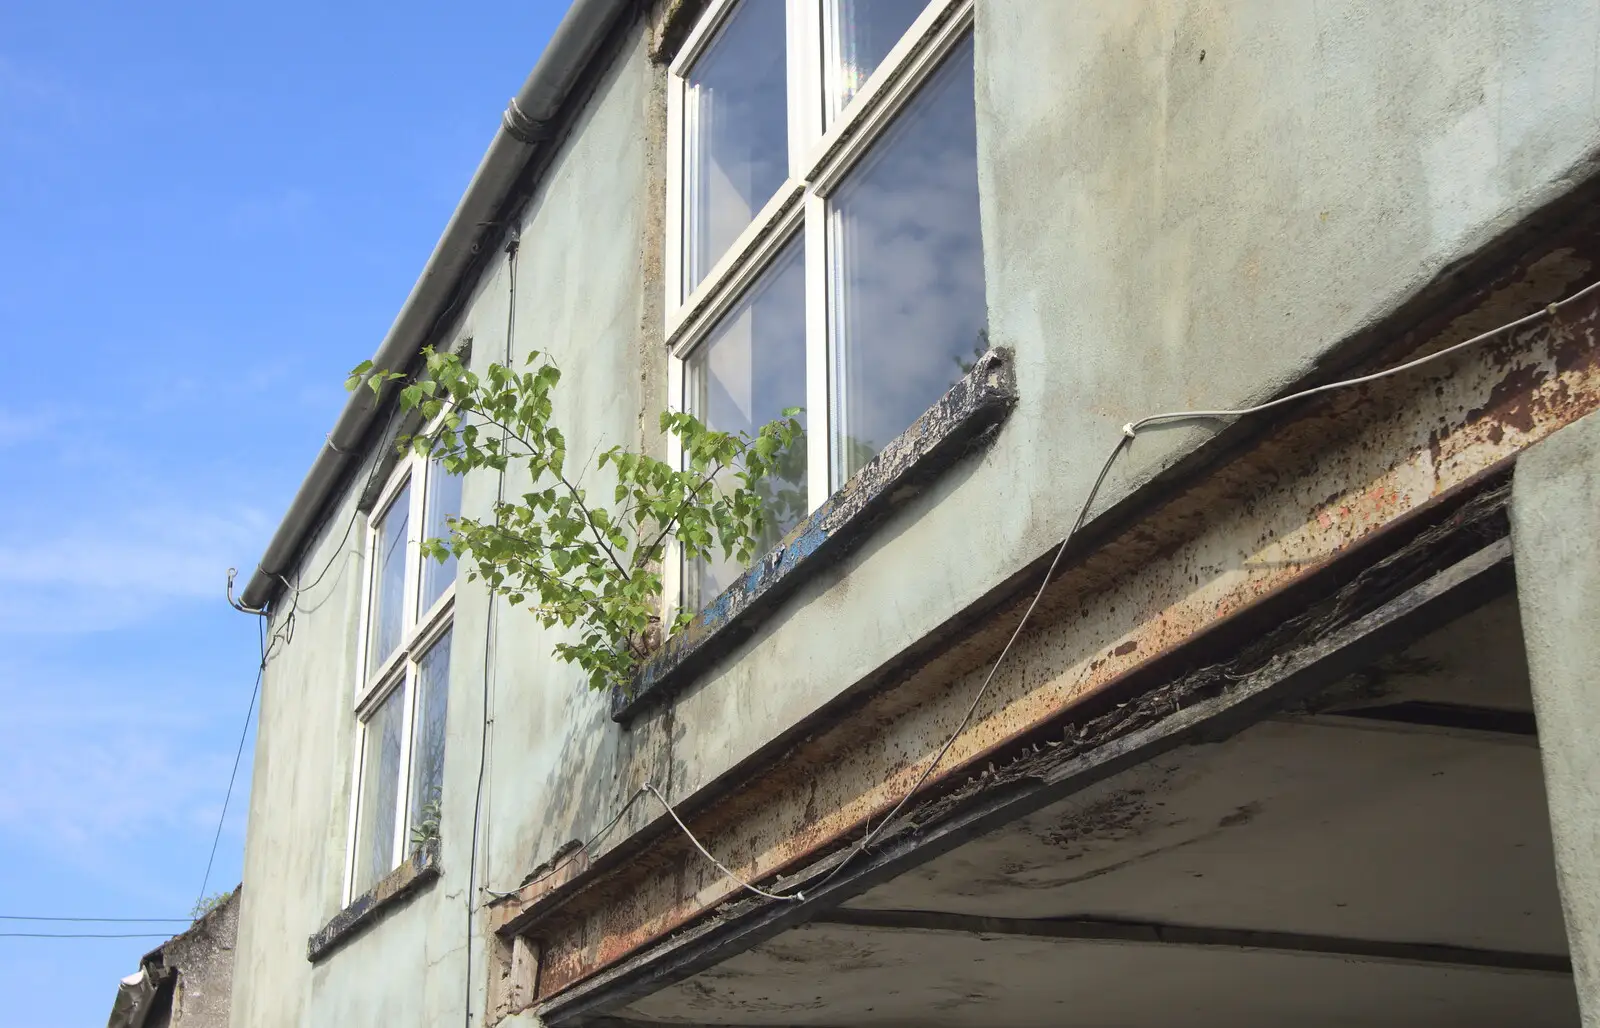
x,y
525,127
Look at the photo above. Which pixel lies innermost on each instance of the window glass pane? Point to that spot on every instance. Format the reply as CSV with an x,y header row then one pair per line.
x,y
380,785
736,132
862,34
443,501
906,269
388,581
427,744
747,371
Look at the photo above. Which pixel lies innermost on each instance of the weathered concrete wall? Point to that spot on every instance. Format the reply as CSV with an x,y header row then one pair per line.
x,y
186,982
554,760
300,784
1184,204
1556,532
203,957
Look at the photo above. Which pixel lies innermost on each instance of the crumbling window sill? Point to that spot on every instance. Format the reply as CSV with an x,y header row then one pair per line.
x,y
405,881
960,420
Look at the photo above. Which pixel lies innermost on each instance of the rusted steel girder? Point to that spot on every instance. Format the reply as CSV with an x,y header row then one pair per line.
x,y
1330,477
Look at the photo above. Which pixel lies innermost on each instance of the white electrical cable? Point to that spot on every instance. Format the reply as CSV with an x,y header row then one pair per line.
x,y
1129,432
793,898
1549,311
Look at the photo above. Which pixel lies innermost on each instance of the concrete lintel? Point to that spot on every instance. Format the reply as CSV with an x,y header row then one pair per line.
x,y
1556,530
1305,655
1186,570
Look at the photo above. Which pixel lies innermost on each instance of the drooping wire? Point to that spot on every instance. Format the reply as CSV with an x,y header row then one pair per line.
x,y
1548,311
233,775
647,789
798,896
1129,432
99,920
585,848
512,245
720,866
349,526
85,935
977,698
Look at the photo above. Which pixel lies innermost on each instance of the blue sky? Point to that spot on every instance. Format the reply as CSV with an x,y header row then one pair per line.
x,y
208,213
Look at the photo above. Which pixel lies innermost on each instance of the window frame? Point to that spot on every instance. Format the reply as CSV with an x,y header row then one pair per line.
x,y
825,144
400,670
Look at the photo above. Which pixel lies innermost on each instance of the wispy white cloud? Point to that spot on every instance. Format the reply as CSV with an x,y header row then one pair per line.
x,y
103,534
88,767
35,104
24,86
101,783
107,761
119,570
17,427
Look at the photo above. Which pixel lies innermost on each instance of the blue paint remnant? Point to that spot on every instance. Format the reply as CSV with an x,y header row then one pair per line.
x,y
807,544
960,421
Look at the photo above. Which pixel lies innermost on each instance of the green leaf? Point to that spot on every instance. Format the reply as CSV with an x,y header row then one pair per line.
x,y
590,574
353,380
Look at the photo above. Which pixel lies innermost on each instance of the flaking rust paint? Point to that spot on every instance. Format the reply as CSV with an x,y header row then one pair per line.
x,y
1316,484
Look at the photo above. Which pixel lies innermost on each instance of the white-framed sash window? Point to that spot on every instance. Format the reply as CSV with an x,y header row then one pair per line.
x,y
823,246
403,673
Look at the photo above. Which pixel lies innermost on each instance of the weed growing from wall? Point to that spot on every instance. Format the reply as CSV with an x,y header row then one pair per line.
x,y
558,549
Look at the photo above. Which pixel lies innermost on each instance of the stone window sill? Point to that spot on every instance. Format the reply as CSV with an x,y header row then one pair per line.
x,y
405,881
949,430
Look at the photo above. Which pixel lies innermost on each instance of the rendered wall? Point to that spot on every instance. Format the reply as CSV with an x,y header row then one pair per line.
x,y
553,751
1185,204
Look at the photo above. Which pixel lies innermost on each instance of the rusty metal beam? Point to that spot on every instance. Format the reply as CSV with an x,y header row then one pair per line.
x,y
1186,571
1208,704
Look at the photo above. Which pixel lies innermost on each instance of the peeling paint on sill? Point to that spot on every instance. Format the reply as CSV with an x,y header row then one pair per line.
x,y
368,908
961,419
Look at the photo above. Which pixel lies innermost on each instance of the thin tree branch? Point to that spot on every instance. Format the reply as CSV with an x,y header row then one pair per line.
x,y
666,528
588,519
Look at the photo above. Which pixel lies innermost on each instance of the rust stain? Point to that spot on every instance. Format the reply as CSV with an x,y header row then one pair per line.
x,y
1304,492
